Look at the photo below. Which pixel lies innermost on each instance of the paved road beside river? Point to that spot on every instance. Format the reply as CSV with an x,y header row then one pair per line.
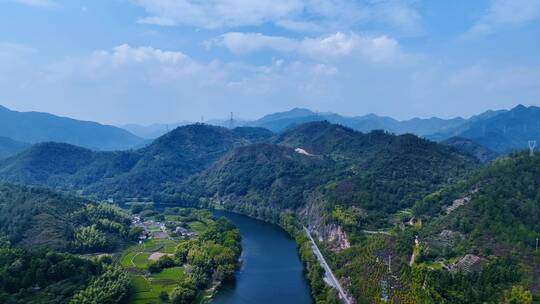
x,y
327,269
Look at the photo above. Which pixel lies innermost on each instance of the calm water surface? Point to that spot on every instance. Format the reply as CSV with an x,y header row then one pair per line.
x,y
271,271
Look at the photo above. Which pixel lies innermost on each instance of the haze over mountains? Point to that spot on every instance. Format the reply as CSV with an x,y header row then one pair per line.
x,y
36,127
10,147
486,135
500,131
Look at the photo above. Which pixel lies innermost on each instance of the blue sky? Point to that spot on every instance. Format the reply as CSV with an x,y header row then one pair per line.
x,y
144,61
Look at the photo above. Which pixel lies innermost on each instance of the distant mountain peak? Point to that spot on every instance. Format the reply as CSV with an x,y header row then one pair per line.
x,y
35,127
519,107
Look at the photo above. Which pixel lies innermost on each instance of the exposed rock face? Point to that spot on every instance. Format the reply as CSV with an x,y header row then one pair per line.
x,y
331,233
338,238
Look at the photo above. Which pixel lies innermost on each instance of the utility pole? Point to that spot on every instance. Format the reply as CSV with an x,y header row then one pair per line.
x,y
532,146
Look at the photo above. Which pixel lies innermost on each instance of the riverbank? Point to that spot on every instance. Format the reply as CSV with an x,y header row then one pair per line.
x,y
271,270
182,256
313,272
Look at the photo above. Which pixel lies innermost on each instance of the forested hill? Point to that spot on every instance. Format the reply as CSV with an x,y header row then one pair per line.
x,y
468,146
265,174
39,218
65,166
36,217
170,159
35,127
140,173
495,215
323,163
502,202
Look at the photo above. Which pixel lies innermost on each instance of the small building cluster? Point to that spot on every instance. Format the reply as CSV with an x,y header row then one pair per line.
x,y
160,230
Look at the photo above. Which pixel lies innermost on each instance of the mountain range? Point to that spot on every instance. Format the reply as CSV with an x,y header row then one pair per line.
x,y
36,127
367,195
252,166
500,131
135,173
321,165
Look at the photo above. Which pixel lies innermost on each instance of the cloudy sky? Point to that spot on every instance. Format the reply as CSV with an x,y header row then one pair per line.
x,y
144,61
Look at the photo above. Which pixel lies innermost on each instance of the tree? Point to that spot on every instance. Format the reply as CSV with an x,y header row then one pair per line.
x,y
89,239
164,296
184,293
110,288
135,232
518,295
137,208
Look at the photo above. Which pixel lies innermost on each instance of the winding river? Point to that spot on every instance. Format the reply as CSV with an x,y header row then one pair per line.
x,y
271,271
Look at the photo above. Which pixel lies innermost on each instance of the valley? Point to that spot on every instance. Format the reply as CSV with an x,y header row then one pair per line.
x,y
269,152
429,222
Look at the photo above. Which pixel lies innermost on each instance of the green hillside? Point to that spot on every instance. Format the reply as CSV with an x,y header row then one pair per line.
x,y
497,218
376,173
476,243
468,146
140,173
39,218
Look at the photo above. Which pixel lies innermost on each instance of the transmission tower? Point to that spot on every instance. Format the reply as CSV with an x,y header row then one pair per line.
x,y
231,122
532,146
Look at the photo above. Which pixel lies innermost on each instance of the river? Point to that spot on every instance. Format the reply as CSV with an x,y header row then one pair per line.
x,y
271,271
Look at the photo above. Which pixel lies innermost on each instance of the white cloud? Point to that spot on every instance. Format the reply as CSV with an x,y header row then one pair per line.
x,y
147,84
148,65
217,13
37,3
299,26
241,43
125,54
381,49
156,84
506,13
296,15
399,14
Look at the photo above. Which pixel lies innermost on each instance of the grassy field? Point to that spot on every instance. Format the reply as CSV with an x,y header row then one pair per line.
x,y
197,226
147,287
156,245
